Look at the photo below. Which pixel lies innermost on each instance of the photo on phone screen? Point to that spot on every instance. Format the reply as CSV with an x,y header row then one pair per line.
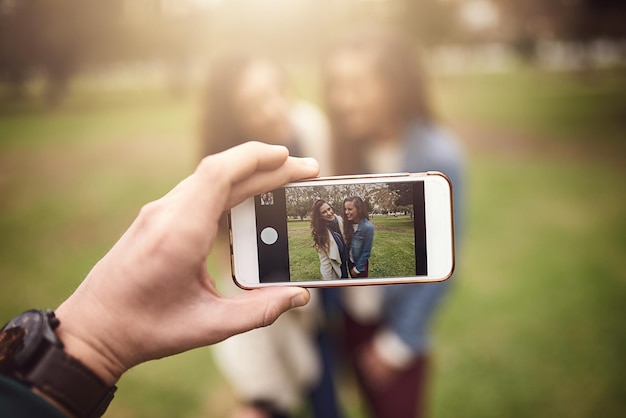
x,y
379,229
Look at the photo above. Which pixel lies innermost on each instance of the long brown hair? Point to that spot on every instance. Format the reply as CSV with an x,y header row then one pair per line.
x,y
318,225
360,206
220,128
395,62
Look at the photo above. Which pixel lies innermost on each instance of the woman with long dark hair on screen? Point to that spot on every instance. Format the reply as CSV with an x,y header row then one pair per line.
x,y
327,231
359,234
382,121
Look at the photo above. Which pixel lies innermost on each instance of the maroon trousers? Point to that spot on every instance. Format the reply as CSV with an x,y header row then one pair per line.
x,y
402,398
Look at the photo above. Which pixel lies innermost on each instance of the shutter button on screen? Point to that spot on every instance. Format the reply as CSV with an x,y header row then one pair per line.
x,y
269,235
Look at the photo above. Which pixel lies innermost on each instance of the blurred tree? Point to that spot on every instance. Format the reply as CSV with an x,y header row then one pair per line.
x,y
525,22
54,38
598,19
19,47
382,199
404,196
300,200
58,38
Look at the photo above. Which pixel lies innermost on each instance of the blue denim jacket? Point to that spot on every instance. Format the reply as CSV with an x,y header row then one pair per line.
x,y
408,310
361,244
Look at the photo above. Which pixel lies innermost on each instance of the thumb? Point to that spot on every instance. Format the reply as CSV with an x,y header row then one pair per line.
x,y
261,307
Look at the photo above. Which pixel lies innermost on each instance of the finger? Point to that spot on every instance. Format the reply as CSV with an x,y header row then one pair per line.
x,y
293,169
206,194
242,161
257,308
230,166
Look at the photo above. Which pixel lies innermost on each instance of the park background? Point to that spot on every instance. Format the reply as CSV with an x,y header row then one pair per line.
x,y
99,113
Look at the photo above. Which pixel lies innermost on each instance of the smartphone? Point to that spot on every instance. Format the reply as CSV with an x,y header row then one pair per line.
x,y
344,231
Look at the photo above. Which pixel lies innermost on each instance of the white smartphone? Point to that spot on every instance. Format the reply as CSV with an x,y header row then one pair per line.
x,y
343,231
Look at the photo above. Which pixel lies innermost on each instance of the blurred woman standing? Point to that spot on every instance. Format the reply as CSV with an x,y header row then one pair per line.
x,y
271,370
248,98
382,121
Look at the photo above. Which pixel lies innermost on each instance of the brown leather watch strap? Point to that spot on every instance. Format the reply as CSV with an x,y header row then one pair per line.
x,y
69,382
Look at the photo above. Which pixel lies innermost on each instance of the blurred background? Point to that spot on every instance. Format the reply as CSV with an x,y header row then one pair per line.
x,y
100,111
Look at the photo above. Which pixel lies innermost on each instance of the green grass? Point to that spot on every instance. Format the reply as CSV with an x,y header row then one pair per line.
x,y
533,325
304,263
567,106
89,115
393,250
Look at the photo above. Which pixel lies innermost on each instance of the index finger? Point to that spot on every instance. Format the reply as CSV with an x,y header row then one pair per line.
x,y
240,162
216,173
262,181
230,176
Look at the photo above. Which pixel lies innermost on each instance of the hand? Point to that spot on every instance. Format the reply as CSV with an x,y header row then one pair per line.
x,y
377,374
151,296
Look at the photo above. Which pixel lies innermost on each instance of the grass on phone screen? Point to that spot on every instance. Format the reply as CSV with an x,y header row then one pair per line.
x,y
393,251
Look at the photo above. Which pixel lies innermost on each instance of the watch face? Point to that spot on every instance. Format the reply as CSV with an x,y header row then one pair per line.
x,y
21,337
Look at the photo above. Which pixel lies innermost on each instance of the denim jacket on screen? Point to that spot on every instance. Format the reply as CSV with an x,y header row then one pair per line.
x,y
361,244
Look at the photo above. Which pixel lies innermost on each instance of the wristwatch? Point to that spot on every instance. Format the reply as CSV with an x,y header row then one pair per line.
x,y
31,352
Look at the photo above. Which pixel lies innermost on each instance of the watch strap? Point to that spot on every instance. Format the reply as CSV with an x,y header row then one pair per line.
x,y
69,382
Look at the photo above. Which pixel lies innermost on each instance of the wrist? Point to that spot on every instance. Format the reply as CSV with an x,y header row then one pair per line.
x,y
90,357
34,354
78,343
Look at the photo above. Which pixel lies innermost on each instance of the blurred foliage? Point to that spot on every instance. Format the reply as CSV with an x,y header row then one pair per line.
x,y
584,20
56,39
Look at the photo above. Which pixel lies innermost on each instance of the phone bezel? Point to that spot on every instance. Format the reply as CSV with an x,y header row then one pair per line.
x,y
438,197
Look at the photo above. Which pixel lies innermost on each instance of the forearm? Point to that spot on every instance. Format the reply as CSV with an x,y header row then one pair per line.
x,y
95,358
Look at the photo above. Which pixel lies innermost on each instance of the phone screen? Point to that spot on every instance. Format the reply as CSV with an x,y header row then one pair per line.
x,y
341,231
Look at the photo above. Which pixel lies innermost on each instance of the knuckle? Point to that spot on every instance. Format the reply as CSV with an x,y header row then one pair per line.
x,y
207,164
154,232
149,212
213,169
272,312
